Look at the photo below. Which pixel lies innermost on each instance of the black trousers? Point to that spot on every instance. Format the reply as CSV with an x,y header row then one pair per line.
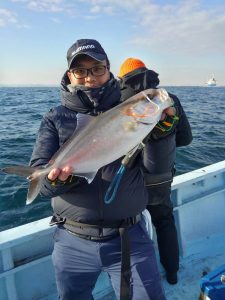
x,y
161,209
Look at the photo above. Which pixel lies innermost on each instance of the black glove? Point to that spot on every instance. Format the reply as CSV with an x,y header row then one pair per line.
x,y
70,180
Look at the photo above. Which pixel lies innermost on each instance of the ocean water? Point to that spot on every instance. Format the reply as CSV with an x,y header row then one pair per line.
x,y
20,115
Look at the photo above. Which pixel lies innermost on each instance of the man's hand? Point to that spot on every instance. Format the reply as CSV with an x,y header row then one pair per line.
x,y
166,125
61,174
170,111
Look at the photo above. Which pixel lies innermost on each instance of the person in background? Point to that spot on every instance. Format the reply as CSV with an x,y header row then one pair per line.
x,y
173,130
92,236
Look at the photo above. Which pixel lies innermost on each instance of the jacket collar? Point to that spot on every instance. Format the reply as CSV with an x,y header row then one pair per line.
x,y
90,100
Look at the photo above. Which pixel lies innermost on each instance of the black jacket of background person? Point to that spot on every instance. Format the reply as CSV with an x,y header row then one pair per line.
x,y
160,153
77,200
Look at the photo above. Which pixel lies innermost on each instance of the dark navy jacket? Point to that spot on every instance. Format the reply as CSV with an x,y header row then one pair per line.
x,y
78,200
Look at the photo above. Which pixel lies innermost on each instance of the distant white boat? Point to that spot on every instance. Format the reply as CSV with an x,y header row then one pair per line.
x,y
211,81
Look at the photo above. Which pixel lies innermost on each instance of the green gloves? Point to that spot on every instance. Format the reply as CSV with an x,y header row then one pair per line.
x,y
164,127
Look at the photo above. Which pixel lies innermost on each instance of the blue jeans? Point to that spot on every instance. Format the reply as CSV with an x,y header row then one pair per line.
x,y
78,263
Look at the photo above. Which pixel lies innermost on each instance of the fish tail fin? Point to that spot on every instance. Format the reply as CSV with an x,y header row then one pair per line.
x,y
34,189
24,171
32,175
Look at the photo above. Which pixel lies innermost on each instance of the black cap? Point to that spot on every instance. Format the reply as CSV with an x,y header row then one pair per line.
x,y
88,47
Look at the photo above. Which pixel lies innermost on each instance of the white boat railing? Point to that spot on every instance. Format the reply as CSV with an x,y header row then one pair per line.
x,y
199,205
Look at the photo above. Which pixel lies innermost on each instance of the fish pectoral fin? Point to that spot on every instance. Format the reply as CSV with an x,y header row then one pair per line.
x,y
88,176
24,171
34,189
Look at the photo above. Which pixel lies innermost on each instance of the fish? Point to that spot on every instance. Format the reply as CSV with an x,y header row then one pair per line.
x,y
104,139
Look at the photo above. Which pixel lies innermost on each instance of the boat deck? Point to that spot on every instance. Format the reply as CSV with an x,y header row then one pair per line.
x,y
192,267
26,270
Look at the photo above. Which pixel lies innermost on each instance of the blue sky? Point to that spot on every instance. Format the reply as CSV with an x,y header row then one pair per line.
x,y
184,41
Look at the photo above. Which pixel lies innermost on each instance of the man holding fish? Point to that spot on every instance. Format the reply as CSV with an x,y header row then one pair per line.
x,y
78,151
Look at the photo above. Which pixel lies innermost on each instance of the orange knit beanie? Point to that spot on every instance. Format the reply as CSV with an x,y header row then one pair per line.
x,y
129,65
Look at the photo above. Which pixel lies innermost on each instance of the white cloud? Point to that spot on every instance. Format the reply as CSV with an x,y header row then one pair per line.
x,y
23,26
90,17
114,6
95,9
56,20
7,17
109,10
19,1
54,6
46,5
186,26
